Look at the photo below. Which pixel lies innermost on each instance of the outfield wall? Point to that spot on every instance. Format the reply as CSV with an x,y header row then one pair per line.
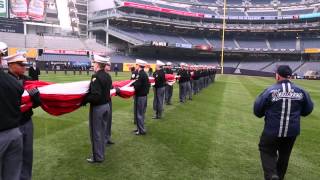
x,y
247,72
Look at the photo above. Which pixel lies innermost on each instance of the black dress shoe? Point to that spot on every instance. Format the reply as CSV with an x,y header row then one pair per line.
x,y
92,160
110,142
135,131
140,133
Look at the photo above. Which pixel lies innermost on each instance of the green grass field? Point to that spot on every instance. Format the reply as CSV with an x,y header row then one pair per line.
x,y
215,136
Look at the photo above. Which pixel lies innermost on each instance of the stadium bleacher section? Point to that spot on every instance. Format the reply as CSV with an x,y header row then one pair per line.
x,y
260,1
271,65
289,1
208,1
195,40
232,64
254,65
235,12
262,43
262,13
254,43
293,64
201,10
50,42
310,43
64,58
311,65
297,11
283,44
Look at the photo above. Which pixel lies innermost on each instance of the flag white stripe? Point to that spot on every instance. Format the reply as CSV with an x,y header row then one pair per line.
x,y
283,111
288,113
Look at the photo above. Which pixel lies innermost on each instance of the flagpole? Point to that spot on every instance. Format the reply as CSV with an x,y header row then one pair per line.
x,y
223,29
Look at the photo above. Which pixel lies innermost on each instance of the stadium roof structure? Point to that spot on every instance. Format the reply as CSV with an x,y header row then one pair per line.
x,y
282,29
241,3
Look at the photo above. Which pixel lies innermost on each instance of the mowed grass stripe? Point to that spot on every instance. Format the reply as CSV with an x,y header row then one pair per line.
x,y
215,136
234,139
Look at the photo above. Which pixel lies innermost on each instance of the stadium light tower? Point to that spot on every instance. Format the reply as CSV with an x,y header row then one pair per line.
x,y
223,30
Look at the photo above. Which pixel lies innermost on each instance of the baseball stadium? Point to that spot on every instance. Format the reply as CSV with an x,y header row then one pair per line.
x,y
159,89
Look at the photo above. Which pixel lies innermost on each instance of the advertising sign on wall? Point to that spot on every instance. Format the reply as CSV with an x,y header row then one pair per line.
x,y
7,25
4,8
27,9
127,67
30,52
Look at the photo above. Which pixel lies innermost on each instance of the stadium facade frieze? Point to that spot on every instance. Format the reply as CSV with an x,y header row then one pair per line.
x,y
172,10
144,19
246,5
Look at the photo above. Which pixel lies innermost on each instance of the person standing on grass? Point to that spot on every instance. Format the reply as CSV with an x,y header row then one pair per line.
x,y
159,90
150,71
169,87
10,135
116,70
134,72
183,80
189,83
99,98
196,77
34,72
282,105
109,119
17,68
141,87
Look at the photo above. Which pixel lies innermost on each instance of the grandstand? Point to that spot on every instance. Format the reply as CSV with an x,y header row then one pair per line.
x,y
50,42
243,8
259,34
242,38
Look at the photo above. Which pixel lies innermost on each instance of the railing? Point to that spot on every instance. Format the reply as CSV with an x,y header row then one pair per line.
x,y
241,49
115,13
307,2
118,32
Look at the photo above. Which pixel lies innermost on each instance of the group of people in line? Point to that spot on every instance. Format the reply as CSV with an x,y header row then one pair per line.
x,y
100,115
16,127
282,105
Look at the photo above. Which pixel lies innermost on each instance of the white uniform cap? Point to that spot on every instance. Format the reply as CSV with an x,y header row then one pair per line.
x,y
141,62
183,64
3,47
100,59
17,58
169,64
160,63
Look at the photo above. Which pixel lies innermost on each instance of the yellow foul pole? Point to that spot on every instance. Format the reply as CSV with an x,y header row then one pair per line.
x,y
223,29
